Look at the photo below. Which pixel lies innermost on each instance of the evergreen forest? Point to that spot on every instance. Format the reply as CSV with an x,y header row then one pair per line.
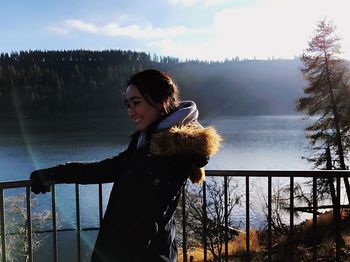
x,y
91,83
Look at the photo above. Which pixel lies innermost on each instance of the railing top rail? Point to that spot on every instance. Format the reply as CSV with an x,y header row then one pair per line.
x,y
279,173
223,173
14,184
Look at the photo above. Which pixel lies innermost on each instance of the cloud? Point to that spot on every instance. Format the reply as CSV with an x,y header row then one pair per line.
x,y
145,32
213,2
116,30
185,3
269,28
58,30
278,28
190,3
82,26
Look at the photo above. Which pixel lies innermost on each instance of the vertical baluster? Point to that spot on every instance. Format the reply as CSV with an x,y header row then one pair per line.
x,y
3,229
184,236
226,217
247,218
291,217
29,225
78,221
269,213
314,218
338,221
100,202
205,220
54,223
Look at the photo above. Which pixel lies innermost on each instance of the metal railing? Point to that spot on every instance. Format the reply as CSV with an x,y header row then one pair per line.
x,y
26,184
247,174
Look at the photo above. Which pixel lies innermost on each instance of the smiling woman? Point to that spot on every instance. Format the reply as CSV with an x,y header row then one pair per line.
x,y
139,109
146,102
168,147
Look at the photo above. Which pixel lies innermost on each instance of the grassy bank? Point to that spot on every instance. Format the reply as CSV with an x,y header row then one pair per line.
x,y
303,242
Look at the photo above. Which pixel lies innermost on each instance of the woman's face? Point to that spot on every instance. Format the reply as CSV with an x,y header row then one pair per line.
x,y
139,109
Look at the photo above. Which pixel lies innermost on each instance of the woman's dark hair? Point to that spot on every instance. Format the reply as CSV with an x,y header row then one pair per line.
x,y
157,87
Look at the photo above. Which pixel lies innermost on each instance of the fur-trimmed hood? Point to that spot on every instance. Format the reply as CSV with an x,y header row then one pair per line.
x,y
187,140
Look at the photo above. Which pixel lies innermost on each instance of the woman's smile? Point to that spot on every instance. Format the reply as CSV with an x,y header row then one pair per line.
x,y
139,109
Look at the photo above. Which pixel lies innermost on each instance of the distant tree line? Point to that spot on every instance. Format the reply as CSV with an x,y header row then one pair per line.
x,y
63,82
82,82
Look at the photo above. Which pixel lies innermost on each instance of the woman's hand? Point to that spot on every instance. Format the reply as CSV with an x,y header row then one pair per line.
x,y
40,179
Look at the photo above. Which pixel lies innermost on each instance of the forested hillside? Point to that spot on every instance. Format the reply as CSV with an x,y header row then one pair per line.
x,y
80,82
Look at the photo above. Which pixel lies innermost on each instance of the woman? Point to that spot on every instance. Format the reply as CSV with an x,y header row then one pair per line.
x,y
168,147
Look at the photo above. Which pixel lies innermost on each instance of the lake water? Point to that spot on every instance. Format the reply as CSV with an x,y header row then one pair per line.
x,y
256,142
250,142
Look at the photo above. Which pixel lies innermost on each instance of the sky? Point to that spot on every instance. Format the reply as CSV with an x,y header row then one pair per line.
x,y
187,29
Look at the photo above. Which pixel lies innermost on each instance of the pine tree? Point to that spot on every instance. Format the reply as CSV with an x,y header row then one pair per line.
x,y
327,93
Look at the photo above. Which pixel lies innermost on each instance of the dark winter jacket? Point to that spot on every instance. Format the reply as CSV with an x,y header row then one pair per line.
x,y
138,224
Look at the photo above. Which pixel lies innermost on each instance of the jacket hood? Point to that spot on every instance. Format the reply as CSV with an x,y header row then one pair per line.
x,y
187,140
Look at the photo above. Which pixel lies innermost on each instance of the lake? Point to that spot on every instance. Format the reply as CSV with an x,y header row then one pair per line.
x,y
250,142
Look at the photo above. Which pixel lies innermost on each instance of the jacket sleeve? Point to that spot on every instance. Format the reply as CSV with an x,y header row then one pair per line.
x,y
104,171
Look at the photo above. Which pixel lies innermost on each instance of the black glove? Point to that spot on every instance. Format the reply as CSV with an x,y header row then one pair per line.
x,y
40,179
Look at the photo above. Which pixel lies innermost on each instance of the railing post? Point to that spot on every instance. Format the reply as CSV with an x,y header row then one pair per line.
x,y
3,229
314,218
269,213
204,210
184,236
54,223
247,217
337,222
100,202
78,221
291,224
226,217
29,225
